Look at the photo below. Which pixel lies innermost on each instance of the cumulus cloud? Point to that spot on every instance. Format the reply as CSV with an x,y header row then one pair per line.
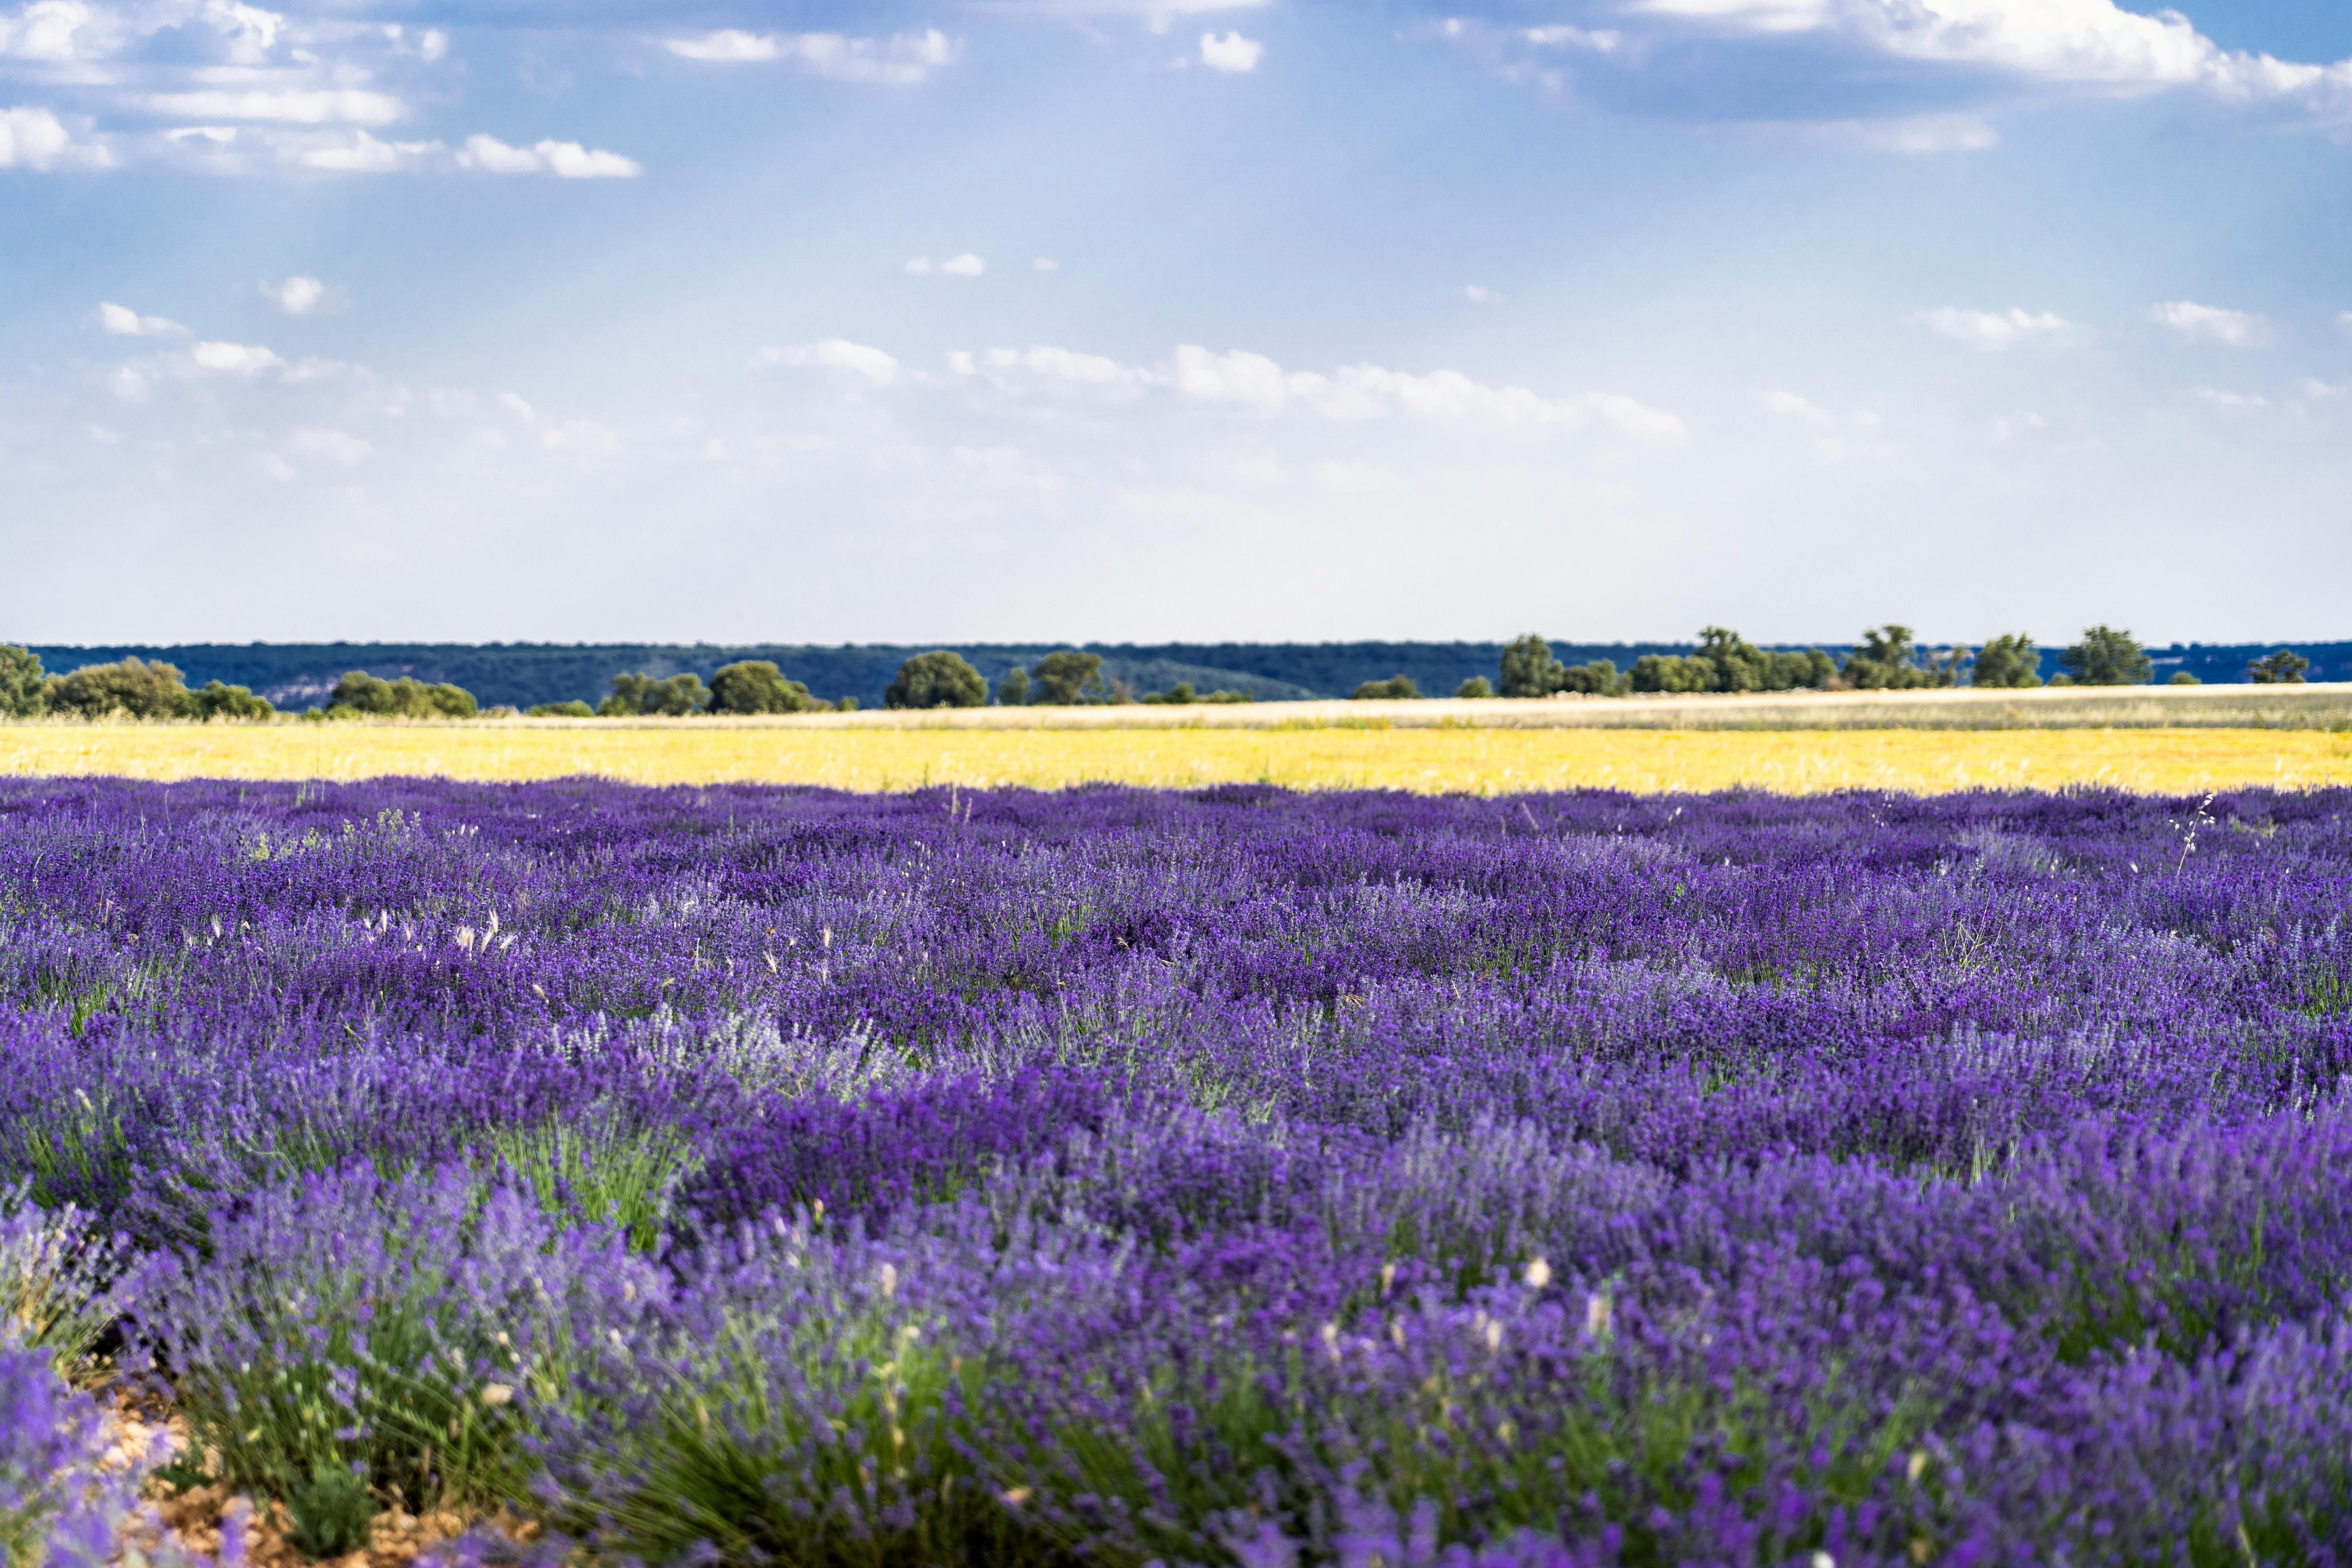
x,y
1478,295
300,106
2088,42
299,296
1993,331
59,32
1794,406
34,138
900,60
2343,322
235,358
1045,264
836,354
360,153
336,445
122,322
964,266
1559,35
1351,393
1231,52
2223,399
564,160
2208,324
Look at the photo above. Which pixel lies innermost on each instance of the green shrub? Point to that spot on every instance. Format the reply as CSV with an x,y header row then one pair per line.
x,y
1395,688
2009,660
1477,686
757,686
940,680
636,695
219,701
22,687
132,688
562,710
1067,678
359,693
2106,657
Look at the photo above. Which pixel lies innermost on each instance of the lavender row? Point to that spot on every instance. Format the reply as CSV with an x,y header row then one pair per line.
x,y
1228,1177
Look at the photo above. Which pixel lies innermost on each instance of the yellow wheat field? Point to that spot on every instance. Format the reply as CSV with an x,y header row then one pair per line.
x,y
1436,761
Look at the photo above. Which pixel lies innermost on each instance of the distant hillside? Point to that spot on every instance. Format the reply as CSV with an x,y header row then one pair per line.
x,y
299,675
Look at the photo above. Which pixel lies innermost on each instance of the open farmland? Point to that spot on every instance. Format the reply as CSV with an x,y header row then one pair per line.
x,y
1479,748
1230,1177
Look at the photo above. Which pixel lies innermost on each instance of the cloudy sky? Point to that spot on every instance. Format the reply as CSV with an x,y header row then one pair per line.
x,y
1162,319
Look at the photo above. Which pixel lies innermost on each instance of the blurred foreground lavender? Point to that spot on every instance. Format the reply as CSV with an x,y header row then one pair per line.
x,y
1234,1177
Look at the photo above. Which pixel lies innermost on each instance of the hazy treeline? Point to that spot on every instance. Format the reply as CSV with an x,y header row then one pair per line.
x,y
1886,658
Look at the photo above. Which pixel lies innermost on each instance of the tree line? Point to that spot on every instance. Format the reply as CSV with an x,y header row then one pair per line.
x,y
1886,658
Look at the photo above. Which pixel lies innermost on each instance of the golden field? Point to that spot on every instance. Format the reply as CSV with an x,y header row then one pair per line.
x,y
1366,754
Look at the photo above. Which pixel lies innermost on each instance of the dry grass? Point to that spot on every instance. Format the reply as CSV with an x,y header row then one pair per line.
x,y
894,754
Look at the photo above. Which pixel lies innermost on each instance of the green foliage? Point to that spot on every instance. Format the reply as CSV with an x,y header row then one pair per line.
x,y
1598,679
2182,677
637,696
1476,687
359,693
1888,660
756,686
217,701
133,689
608,1175
1395,688
1529,669
562,711
1179,695
332,1512
1012,689
1669,672
845,705
2284,667
22,693
937,680
2009,660
1069,677
2106,657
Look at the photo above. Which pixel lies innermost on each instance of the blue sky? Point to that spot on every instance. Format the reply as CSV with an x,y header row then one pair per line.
x,y
1126,319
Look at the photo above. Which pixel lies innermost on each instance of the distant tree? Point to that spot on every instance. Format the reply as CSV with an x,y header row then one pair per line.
x,y
845,705
1477,686
643,696
133,688
940,680
2106,657
220,701
1888,660
1223,697
1067,679
22,693
1788,671
1179,695
562,711
1013,687
1395,688
2009,660
757,686
359,693
1530,669
1671,672
2284,667
2183,678
1599,678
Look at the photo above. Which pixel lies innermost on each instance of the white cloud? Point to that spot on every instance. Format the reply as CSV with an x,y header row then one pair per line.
x,y
901,60
1478,295
1045,264
238,359
1157,14
1791,406
964,266
1562,37
2210,324
363,154
433,45
1068,366
338,445
566,160
2222,399
59,32
34,138
1992,331
2092,43
125,323
836,354
300,106
1231,52
299,296
2343,322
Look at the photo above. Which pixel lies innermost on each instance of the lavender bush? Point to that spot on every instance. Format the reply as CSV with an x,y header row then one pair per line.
x,y
1234,1177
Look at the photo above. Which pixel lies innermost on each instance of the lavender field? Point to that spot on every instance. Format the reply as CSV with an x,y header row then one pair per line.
x,y
770,1175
